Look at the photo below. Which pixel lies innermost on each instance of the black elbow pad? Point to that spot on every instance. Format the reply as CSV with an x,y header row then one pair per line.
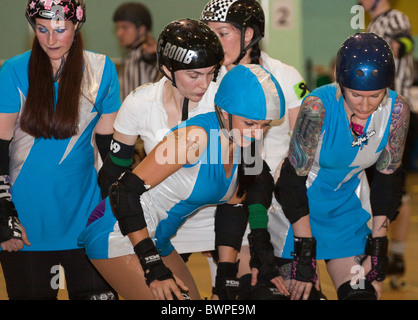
x,y
291,193
386,192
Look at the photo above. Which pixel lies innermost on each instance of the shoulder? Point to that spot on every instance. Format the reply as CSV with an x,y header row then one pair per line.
x,y
293,85
148,92
98,60
401,107
18,62
398,14
278,68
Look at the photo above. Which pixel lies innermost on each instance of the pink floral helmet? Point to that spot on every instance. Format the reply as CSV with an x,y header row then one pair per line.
x,y
61,10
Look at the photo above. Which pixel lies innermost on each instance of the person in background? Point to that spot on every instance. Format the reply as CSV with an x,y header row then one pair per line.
x,y
394,27
58,106
133,23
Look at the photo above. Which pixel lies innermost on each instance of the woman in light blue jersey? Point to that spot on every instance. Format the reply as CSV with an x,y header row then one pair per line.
x,y
58,106
196,164
344,128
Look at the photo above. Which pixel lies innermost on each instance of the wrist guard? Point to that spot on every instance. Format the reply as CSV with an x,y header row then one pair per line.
x,y
226,283
9,225
151,262
262,255
304,261
377,249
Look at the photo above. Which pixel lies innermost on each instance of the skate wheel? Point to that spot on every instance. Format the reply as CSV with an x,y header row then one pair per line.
x,y
397,283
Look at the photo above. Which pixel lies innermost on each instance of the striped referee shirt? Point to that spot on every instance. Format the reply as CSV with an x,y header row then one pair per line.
x,y
136,71
388,25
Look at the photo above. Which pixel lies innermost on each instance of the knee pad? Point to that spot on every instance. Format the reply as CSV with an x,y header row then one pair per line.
x,y
361,291
230,225
261,291
99,295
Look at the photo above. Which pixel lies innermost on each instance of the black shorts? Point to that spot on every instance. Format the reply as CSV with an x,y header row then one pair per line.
x,y
35,275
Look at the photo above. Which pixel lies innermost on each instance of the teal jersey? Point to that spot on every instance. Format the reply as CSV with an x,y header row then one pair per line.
x,y
337,186
54,182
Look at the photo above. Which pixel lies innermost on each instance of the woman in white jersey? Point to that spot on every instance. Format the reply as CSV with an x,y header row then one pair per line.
x,y
240,26
202,161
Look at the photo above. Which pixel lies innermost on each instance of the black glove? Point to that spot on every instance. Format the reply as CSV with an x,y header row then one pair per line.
x,y
304,261
227,283
262,255
377,249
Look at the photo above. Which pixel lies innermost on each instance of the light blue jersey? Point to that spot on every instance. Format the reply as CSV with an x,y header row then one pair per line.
x,y
167,206
54,182
338,191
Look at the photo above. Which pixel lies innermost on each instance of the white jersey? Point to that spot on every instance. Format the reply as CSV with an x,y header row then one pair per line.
x,y
143,113
197,234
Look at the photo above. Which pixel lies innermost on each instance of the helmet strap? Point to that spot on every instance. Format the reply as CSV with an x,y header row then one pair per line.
x,y
244,49
172,79
57,75
185,110
221,123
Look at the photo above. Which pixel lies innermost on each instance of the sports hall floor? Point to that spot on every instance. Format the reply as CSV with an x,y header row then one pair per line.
x,y
199,268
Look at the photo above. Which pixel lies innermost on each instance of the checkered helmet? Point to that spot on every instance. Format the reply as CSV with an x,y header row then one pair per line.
x,y
243,13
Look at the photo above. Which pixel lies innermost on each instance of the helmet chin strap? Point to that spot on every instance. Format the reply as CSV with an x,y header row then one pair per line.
x,y
245,49
57,75
221,124
185,110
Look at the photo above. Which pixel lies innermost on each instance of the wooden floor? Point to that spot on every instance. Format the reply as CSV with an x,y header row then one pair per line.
x,y
200,270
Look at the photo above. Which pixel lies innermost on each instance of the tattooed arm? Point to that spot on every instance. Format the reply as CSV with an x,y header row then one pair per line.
x,y
303,146
305,136
391,158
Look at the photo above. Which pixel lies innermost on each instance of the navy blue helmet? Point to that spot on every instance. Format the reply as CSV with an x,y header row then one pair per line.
x,y
365,62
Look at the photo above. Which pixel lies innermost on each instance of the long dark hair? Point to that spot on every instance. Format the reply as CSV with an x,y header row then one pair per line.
x,y
40,117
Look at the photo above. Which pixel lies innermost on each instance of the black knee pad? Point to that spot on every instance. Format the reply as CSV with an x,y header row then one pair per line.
x,y
361,291
99,295
230,225
261,291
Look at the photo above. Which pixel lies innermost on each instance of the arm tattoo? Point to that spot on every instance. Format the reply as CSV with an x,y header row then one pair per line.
x,y
391,156
306,135
384,225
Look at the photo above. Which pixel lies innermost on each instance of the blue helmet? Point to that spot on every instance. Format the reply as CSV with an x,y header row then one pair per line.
x,y
250,91
365,62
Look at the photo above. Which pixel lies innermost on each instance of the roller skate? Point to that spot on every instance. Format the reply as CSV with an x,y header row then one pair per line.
x,y
396,272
